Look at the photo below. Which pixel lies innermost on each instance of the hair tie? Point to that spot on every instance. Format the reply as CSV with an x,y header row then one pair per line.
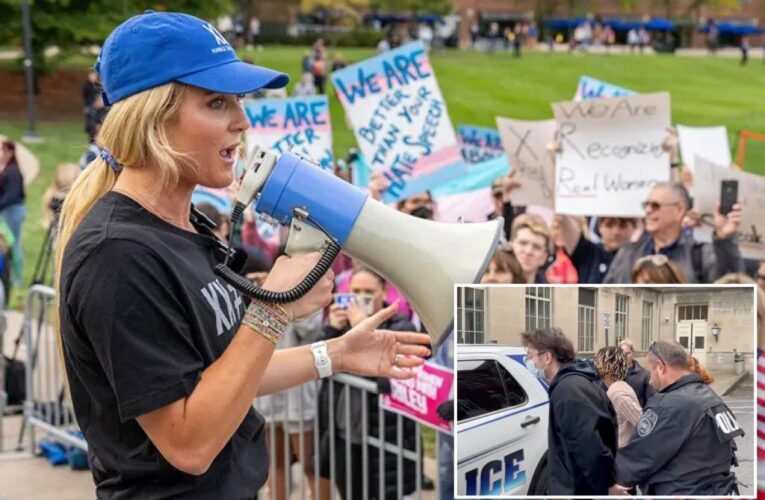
x,y
110,160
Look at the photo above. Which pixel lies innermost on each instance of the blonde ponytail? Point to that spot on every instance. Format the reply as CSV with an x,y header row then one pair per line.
x,y
135,134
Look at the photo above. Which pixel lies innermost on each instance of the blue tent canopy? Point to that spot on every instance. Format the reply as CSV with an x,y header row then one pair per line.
x,y
617,24
659,24
729,28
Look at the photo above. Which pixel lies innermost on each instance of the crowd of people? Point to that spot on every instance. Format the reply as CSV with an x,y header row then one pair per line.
x,y
657,248
623,429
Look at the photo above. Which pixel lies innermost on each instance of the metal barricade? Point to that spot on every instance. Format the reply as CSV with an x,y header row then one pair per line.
x,y
47,406
336,420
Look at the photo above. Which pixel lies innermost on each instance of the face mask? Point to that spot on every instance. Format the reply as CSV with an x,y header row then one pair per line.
x,y
540,374
422,213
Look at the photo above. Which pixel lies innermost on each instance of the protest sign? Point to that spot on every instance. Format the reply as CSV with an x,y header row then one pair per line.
x,y
297,124
611,154
751,195
400,120
468,198
419,397
526,149
710,143
592,88
478,144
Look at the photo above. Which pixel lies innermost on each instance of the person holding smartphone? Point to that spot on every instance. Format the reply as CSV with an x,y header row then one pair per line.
x,y
665,208
343,318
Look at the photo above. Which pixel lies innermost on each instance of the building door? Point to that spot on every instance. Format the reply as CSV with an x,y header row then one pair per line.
x,y
692,330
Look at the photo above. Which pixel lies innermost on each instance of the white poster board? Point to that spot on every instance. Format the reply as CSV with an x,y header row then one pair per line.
x,y
611,153
710,143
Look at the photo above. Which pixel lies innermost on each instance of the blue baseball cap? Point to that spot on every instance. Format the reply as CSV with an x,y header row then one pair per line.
x,y
156,48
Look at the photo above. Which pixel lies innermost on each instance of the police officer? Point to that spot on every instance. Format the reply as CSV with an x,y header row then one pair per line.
x,y
684,441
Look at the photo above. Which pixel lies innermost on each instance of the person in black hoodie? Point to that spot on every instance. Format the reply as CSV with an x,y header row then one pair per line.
x,y
364,282
582,437
637,377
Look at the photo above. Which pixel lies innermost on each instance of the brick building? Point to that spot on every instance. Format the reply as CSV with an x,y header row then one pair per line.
x,y
508,12
709,322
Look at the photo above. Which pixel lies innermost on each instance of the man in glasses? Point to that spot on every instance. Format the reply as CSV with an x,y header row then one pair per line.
x,y
683,443
581,435
665,208
591,259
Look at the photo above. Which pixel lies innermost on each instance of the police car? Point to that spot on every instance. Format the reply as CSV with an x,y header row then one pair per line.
x,y
502,418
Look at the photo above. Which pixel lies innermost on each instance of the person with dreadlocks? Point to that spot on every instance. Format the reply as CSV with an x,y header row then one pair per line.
x,y
611,363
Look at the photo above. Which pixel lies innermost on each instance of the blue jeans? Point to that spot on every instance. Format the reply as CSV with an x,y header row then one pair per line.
x,y
14,216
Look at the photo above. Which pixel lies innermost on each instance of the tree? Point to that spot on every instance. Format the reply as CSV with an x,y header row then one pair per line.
x,y
437,7
70,24
338,12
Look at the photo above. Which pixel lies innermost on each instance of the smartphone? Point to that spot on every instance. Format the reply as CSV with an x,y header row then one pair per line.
x,y
364,300
728,195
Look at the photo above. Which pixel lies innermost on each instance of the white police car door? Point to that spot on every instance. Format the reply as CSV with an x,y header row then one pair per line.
x,y
502,417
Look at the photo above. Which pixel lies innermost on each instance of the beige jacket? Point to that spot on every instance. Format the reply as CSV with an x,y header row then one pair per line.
x,y
627,408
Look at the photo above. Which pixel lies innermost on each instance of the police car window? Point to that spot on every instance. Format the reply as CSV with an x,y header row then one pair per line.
x,y
480,389
515,394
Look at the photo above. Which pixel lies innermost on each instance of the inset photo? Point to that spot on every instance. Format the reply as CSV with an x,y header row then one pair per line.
x,y
605,390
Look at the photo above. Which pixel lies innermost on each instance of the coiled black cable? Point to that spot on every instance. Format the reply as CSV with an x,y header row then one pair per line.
x,y
253,291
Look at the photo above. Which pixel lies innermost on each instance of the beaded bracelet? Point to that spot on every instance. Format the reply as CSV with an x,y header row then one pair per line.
x,y
269,320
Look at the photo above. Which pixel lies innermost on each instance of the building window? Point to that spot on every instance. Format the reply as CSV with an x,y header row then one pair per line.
x,y
538,307
620,318
586,337
471,313
647,332
694,312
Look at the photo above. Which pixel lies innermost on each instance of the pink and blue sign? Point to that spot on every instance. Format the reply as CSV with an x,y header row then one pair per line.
x,y
399,117
297,124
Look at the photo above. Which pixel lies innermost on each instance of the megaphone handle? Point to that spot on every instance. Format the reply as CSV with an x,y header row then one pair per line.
x,y
255,292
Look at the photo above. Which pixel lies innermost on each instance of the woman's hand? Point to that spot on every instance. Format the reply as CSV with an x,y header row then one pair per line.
x,y
288,272
379,353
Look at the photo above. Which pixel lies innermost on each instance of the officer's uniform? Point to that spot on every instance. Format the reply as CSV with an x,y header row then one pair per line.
x,y
683,443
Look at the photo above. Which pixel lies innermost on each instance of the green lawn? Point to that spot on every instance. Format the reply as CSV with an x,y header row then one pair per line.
x,y
478,87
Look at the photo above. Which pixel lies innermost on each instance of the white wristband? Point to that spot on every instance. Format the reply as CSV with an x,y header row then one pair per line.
x,y
321,359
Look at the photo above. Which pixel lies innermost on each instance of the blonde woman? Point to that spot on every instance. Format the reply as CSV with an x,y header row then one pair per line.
x,y
611,363
163,359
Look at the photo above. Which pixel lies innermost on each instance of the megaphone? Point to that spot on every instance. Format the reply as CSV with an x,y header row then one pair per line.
x,y
423,259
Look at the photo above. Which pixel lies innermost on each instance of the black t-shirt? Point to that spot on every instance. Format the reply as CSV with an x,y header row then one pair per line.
x,y
591,261
142,315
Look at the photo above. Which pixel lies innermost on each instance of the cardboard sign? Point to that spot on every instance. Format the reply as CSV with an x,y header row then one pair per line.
x,y
478,144
592,88
611,154
710,143
400,120
297,124
751,195
419,397
526,149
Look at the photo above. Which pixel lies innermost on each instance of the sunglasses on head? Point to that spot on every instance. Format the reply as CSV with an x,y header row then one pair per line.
x,y
652,349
